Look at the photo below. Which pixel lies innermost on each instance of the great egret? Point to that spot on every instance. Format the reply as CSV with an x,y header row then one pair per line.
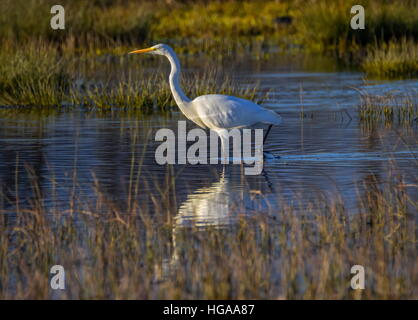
x,y
214,111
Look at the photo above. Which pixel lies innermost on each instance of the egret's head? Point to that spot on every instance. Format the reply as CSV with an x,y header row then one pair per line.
x,y
161,49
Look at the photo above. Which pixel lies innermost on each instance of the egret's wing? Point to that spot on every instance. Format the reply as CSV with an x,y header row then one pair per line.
x,y
220,111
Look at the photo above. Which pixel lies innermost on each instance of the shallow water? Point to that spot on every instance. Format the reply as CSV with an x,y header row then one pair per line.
x,y
326,151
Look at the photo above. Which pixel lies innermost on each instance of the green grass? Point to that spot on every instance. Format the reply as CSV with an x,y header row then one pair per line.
x,y
151,93
325,25
96,24
39,76
36,75
212,27
39,66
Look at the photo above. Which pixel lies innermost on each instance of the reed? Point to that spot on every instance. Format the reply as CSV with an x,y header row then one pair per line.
x,y
392,108
135,249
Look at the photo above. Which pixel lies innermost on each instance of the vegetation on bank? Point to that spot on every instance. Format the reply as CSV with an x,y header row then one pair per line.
x,y
41,66
202,26
40,76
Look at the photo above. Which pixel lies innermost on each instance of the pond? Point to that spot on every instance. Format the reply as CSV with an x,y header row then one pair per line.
x,y
324,150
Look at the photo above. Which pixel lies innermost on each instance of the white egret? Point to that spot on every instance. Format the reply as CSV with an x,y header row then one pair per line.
x,y
214,111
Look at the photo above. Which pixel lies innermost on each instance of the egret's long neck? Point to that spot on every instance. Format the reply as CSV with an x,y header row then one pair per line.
x,y
181,99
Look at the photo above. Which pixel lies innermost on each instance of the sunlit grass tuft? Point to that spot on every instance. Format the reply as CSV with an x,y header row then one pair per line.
x,y
392,108
34,75
393,60
151,92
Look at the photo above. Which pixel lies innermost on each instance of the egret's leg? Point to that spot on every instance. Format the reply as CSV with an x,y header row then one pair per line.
x,y
225,150
223,134
266,154
267,133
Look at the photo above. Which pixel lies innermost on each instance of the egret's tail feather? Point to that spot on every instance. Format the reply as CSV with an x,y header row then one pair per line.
x,y
272,118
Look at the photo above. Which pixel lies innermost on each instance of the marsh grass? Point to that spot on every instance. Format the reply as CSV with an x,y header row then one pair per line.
x,y
136,251
39,76
151,92
396,59
132,22
326,24
315,25
34,75
38,65
392,108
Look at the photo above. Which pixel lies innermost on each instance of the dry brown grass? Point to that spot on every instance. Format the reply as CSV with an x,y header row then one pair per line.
x,y
135,249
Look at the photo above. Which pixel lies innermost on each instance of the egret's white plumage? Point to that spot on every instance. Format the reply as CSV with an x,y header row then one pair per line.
x,y
227,112
213,111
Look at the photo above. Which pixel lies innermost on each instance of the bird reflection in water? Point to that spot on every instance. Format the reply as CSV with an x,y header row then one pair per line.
x,y
215,208
209,206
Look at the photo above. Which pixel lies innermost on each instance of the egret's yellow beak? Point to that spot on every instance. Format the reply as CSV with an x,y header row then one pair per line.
x,y
142,50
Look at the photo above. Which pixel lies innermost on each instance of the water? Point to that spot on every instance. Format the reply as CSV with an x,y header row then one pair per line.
x,y
326,151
